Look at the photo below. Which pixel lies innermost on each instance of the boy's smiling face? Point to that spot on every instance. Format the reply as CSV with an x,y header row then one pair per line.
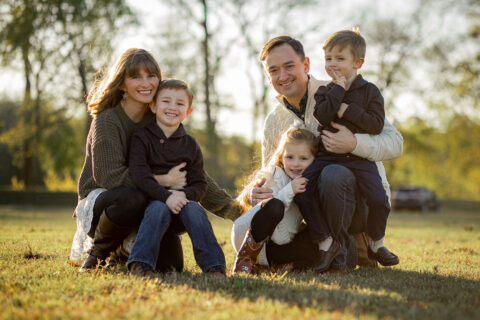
x,y
171,108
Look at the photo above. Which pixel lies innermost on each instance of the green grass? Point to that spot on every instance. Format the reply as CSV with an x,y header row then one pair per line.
x,y
438,278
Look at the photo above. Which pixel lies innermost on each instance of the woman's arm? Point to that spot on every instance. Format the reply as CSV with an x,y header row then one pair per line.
x,y
174,179
108,154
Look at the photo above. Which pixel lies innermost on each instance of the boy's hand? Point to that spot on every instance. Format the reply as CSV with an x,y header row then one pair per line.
x,y
176,201
341,110
299,184
338,78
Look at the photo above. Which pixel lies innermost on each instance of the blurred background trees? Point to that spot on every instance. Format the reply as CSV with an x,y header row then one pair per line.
x,y
425,58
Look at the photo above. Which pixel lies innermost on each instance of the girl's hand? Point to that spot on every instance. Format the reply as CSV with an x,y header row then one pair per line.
x,y
176,201
299,184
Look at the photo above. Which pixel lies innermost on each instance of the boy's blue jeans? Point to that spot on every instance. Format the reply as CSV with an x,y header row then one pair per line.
x,y
155,223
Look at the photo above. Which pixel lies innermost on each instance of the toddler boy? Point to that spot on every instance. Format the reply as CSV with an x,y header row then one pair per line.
x,y
351,101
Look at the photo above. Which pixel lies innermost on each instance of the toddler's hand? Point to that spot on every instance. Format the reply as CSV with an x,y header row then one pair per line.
x,y
338,78
299,184
176,201
341,110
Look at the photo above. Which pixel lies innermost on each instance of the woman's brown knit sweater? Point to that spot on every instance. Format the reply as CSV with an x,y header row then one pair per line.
x,y
106,164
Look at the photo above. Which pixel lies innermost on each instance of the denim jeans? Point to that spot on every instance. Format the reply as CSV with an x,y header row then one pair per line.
x,y
194,219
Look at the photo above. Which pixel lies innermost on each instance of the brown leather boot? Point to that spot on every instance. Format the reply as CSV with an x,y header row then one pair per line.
x,y
362,249
247,255
108,236
140,269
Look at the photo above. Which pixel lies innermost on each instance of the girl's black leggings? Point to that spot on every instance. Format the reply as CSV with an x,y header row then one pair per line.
x,y
301,249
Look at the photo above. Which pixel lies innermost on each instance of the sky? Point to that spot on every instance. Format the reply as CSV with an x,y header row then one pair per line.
x,y
232,81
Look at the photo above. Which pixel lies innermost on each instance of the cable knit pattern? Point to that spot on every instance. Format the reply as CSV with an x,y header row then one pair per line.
x,y
286,229
106,155
384,146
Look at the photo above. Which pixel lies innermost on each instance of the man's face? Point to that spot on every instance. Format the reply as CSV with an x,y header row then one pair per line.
x,y
287,73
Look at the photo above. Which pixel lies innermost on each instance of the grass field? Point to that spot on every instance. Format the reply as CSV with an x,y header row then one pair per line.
x,y
438,278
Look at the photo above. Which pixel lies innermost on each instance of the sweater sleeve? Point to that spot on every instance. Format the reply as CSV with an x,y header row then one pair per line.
x,y
109,155
269,141
141,172
283,191
327,102
370,117
196,180
385,146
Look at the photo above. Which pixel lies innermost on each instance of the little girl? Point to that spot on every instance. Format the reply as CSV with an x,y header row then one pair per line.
x,y
277,218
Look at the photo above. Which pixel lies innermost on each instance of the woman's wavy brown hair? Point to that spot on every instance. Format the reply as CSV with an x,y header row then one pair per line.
x,y
106,92
292,135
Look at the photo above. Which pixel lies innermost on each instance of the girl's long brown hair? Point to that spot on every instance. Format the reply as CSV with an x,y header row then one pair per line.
x,y
106,91
292,135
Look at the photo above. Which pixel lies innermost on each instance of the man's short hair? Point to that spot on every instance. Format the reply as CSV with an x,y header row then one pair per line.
x,y
345,38
175,84
278,41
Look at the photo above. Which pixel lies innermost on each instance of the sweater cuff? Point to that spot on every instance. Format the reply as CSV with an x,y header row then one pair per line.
x,y
363,148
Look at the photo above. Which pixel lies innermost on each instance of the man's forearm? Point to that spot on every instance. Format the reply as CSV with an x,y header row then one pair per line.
x,y
385,146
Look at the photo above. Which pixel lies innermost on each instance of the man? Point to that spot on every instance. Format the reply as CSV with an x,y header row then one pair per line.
x,y
287,69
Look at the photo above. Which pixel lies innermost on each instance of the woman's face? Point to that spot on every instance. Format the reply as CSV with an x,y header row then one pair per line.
x,y
296,158
140,88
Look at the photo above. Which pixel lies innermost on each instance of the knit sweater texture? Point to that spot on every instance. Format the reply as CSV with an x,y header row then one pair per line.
x,y
106,164
384,146
106,151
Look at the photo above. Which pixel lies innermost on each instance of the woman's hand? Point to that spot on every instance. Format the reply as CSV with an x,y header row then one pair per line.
x,y
299,184
259,193
340,142
174,179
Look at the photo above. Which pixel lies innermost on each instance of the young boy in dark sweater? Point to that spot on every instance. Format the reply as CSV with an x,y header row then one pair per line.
x,y
154,150
351,101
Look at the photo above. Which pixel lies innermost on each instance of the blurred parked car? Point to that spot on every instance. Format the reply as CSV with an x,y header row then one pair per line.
x,y
415,198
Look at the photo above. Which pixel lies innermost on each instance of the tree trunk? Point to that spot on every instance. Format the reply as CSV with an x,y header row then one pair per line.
x,y
83,77
212,139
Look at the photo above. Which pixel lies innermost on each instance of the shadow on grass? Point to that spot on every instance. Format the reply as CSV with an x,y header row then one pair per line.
x,y
389,293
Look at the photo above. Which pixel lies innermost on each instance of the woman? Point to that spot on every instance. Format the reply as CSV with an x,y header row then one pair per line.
x,y
110,207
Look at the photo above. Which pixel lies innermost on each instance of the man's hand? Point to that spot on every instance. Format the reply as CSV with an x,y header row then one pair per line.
x,y
260,193
174,179
299,184
176,201
341,142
